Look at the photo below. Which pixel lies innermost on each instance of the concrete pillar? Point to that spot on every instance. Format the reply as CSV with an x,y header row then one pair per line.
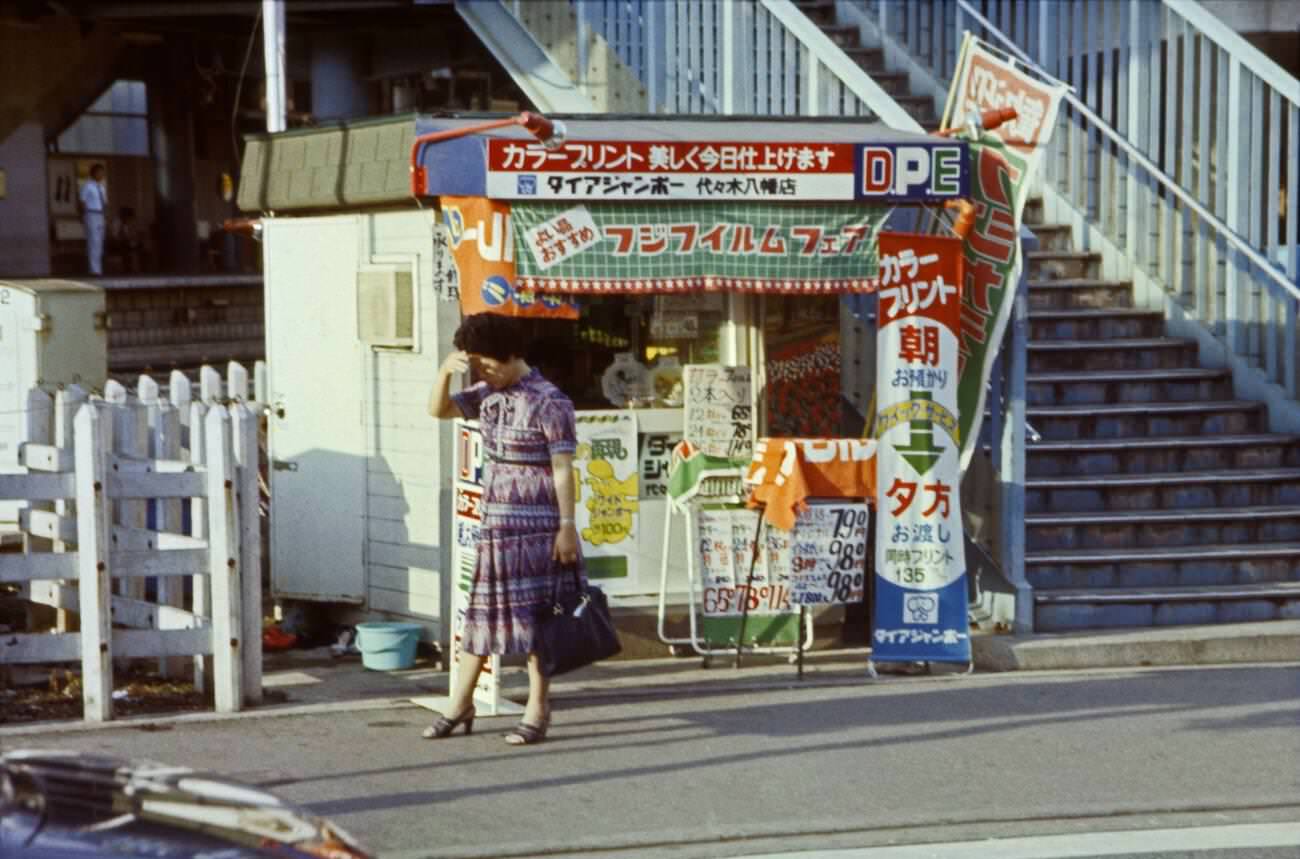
x,y
339,65
171,88
24,204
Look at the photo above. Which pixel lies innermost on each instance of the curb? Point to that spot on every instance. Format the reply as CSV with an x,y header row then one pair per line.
x,y
1266,641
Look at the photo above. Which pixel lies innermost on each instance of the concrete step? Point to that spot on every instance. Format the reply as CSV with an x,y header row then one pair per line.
x,y
1146,420
1032,217
1137,386
1136,354
821,12
1130,529
1090,324
1062,611
844,35
1197,490
1170,454
872,60
921,107
1065,264
1054,237
1079,294
894,83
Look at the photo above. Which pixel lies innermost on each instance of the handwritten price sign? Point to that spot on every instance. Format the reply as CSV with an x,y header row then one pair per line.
x,y
822,561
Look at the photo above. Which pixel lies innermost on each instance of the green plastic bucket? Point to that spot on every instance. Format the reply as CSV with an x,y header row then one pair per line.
x,y
388,646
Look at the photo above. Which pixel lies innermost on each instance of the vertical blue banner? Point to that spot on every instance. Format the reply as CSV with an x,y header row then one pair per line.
x,y
920,583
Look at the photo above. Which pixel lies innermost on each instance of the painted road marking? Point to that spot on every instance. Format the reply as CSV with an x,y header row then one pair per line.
x,y
1089,844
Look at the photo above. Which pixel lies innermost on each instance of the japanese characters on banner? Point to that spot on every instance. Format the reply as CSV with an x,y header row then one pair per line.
x,y
467,521
1004,163
607,470
719,410
777,171
684,248
920,588
822,561
483,247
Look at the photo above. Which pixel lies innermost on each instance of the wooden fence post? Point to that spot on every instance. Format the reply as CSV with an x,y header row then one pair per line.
x,y
209,385
66,403
244,428
236,382
260,381
165,444
223,553
201,605
129,440
93,447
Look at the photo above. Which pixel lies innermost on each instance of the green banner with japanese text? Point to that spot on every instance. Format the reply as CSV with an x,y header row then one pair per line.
x,y
668,247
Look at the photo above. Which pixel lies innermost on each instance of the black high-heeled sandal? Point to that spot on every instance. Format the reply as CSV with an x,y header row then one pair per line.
x,y
444,727
527,734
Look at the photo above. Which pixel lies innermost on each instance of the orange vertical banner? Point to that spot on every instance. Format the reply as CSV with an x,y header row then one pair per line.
x,y
483,246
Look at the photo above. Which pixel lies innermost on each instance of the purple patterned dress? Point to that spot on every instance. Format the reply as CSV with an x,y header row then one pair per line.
x,y
514,575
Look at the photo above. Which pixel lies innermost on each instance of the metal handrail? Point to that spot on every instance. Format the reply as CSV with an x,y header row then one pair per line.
x,y
1252,58
850,74
1206,215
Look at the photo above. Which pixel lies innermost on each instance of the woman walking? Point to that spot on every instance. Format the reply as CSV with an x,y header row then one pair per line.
x,y
528,531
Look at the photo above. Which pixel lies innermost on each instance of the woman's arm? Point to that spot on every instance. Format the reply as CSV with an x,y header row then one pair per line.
x,y
566,539
440,402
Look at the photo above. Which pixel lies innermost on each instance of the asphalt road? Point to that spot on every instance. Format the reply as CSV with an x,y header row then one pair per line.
x,y
843,767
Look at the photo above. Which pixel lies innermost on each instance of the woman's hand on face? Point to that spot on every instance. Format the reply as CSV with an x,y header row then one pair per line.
x,y
456,362
566,544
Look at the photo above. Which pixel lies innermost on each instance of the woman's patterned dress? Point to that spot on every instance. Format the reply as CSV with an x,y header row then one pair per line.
x,y
514,575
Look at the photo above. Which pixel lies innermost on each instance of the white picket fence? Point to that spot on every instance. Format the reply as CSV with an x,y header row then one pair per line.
x,y
110,486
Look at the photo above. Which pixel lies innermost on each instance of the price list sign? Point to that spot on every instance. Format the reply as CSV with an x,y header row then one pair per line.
x,y
724,546
719,415
828,555
822,561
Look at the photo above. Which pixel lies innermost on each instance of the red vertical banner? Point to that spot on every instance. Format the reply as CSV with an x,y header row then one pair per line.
x,y
920,586
483,246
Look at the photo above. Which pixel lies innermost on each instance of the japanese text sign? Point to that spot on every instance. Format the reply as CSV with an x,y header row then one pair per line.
x,y
675,248
607,470
719,411
920,605
755,171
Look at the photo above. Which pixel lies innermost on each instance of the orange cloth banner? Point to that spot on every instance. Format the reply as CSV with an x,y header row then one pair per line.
x,y
483,245
785,472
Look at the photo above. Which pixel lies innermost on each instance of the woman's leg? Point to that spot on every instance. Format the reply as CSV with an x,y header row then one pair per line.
x,y
462,697
538,708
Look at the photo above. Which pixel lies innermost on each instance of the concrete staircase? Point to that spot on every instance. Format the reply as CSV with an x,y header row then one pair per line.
x,y
1155,497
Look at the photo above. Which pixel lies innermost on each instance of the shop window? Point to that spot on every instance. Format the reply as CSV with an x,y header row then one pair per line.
x,y
627,351
802,342
116,124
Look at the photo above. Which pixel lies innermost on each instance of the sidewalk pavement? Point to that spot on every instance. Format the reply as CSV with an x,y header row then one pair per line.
x,y
304,682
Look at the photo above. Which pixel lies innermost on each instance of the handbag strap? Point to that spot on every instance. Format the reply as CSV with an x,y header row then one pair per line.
x,y
577,583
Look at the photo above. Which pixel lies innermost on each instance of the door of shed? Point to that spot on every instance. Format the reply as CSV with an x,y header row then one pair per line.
x,y
317,440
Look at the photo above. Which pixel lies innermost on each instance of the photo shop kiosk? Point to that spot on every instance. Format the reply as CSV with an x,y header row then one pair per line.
x,y
691,284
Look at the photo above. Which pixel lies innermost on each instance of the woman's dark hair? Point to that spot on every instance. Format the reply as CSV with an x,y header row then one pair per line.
x,y
492,335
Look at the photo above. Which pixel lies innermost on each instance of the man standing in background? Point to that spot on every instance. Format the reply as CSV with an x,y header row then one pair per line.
x,y
94,212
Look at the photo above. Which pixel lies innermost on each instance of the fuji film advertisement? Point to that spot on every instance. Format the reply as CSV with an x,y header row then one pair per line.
x,y
1004,162
920,602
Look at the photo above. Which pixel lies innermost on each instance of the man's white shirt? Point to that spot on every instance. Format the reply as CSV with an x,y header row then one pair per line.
x,y
93,197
